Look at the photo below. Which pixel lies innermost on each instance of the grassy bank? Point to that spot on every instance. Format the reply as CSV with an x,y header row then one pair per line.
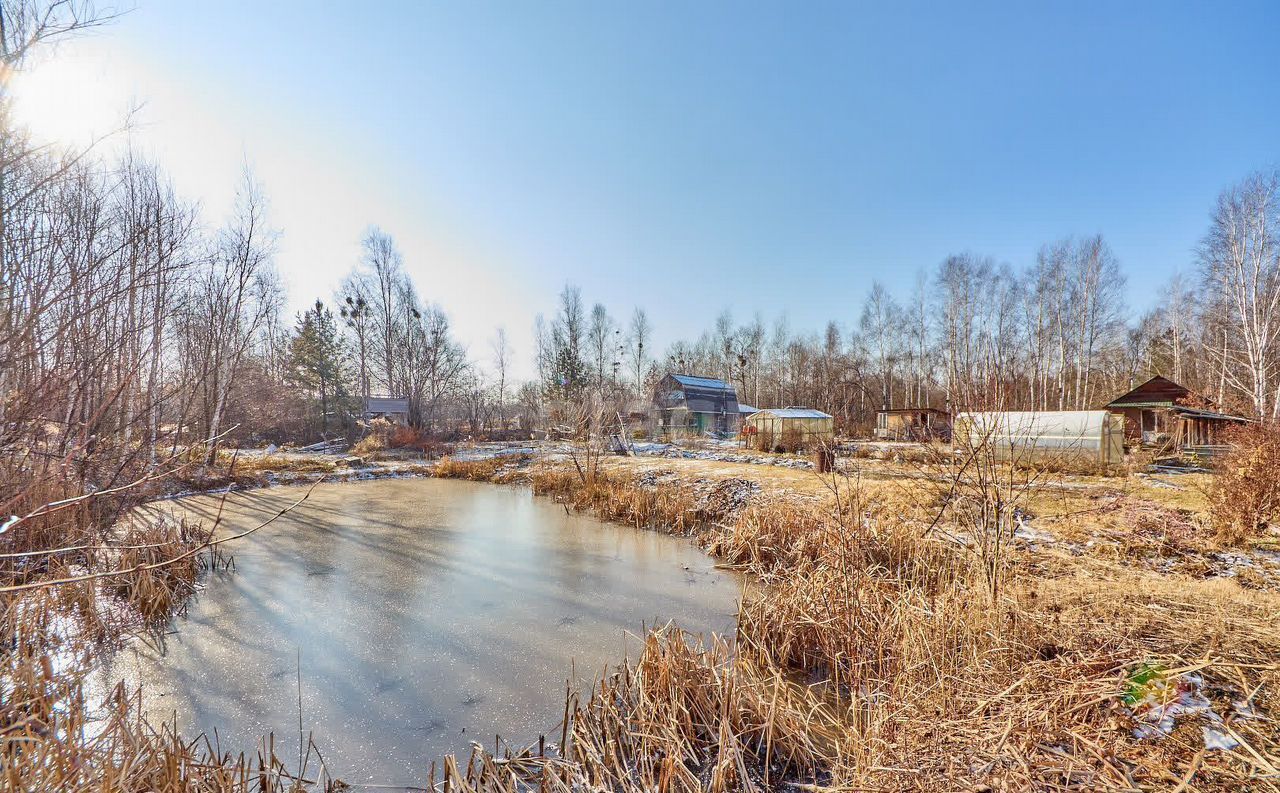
x,y
877,655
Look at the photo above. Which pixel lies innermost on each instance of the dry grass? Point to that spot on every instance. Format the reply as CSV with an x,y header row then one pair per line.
x,y
871,654
368,445
77,578
874,656
237,471
487,470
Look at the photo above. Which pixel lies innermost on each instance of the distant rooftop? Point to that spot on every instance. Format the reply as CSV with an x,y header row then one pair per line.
x,y
1157,392
796,413
386,405
700,382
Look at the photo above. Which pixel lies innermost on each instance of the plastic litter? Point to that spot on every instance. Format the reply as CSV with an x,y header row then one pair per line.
x,y
1157,700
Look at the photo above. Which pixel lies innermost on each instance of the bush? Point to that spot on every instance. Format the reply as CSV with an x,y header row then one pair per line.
x,y
402,437
369,444
1244,498
380,435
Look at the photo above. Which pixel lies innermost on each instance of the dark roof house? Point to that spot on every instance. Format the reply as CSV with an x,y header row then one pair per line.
x,y
695,405
391,408
1158,415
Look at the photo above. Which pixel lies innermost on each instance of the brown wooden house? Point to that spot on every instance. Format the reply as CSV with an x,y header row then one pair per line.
x,y
912,424
1163,415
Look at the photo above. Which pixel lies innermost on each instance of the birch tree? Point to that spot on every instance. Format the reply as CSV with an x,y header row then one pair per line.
x,y
500,349
1240,264
638,334
881,322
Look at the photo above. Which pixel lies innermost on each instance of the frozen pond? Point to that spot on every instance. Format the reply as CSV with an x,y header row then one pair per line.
x,y
426,613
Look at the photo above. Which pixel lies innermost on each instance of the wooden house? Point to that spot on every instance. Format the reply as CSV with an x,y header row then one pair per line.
x,y
692,405
912,424
393,409
1165,416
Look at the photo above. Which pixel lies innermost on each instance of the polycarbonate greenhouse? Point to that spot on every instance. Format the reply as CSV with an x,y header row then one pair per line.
x,y
1079,434
789,429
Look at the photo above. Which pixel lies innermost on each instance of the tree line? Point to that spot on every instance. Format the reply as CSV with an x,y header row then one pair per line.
x,y
1054,334
128,322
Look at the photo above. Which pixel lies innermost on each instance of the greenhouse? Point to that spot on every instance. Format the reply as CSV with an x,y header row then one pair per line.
x,y
1076,434
789,429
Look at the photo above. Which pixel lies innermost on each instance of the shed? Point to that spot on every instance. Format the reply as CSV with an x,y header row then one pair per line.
x,y
1161,414
693,405
1025,435
393,409
789,429
912,424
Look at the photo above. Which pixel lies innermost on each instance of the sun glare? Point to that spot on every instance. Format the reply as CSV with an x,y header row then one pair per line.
x,y
68,100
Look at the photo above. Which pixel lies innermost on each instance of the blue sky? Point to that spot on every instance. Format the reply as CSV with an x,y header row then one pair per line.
x,y
691,157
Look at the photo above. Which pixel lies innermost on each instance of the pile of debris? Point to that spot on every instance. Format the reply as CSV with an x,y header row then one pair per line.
x,y
720,455
726,496
657,477
1158,699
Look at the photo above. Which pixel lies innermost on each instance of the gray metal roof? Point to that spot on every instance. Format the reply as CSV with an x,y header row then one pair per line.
x,y
1197,413
700,382
796,413
698,394
746,408
386,405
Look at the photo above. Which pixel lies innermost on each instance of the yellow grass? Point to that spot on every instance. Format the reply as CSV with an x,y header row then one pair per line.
x,y
891,665
872,651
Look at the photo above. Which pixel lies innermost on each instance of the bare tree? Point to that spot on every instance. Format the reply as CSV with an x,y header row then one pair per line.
x,y
386,287
881,323
356,314
25,25
568,374
230,302
1176,314
1098,303
601,346
1240,263
501,350
638,345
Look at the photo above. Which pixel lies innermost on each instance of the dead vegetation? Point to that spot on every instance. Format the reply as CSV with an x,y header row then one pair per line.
x,y
1244,499
473,470
79,573
873,655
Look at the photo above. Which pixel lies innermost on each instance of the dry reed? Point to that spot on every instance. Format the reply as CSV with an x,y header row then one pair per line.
x,y
871,654
886,662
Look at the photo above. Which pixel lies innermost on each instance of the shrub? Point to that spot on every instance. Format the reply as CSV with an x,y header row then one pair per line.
x,y
381,433
369,444
1244,498
403,436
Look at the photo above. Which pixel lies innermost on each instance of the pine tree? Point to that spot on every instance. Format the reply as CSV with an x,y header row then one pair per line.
x,y
318,359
